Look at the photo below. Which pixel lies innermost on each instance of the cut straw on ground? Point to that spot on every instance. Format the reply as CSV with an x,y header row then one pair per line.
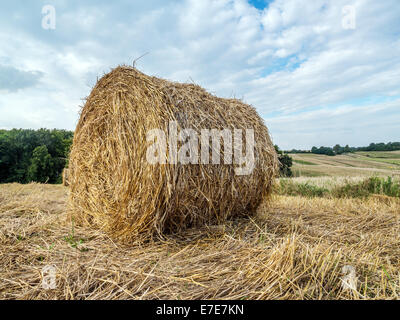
x,y
294,248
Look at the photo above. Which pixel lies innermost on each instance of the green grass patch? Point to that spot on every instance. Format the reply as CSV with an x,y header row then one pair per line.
x,y
393,161
380,154
388,161
308,163
306,189
373,185
308,174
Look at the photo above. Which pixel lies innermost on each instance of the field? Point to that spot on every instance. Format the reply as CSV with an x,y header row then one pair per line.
x,y
297,247
351,165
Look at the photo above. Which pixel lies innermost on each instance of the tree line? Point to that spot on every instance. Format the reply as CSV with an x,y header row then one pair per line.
x,y
338,149
41,155
33,155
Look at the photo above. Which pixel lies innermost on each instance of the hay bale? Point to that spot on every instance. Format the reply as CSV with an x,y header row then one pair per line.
x,y
65,177
113,185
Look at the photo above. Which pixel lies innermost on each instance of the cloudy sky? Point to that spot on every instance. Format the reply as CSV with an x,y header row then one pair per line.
x,y
316,75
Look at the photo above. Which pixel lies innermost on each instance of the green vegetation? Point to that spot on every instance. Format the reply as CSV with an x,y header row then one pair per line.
x,y
380,154
349,189
298,151
285,163
308,174
391,146
41,155
338,149
373,185
307,163
390,161
384,157
33,155
290,188
323,150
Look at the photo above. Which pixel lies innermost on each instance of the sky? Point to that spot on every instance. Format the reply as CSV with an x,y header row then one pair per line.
x,y
318,72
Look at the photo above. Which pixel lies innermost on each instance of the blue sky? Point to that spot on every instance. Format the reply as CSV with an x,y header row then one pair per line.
x,y
313,81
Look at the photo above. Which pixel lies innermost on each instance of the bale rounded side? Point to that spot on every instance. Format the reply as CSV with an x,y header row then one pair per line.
x,y
115,188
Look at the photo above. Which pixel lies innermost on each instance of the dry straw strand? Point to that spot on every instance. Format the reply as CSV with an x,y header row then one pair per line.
x,y
65,177
114,188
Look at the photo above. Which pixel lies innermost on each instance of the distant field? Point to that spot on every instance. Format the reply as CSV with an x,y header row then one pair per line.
x,y
351,165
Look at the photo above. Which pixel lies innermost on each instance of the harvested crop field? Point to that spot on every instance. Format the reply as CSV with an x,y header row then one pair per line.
x,y
350,165
294,248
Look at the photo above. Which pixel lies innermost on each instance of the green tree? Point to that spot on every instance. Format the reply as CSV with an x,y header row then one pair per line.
x,y
42,165
338,149
285,163
323,150
16,152
314,150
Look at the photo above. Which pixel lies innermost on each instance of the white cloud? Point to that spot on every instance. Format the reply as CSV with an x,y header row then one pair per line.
x,y
294,56
354,125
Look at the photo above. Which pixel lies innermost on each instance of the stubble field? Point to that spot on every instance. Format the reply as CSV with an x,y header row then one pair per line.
x,y
297,247
349,165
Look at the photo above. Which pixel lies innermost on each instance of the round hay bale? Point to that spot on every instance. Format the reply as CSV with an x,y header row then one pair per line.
x,y
65,177
115,187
